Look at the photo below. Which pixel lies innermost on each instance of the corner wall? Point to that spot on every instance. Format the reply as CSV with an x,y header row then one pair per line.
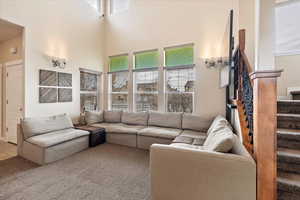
x,y
63,28
162,23
290,75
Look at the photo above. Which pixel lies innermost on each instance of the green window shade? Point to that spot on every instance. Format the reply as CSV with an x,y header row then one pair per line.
x,y
146,59
179,56
118,63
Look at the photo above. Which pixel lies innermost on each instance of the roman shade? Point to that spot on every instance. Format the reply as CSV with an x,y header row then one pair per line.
x,y
146,59
179,55
118,63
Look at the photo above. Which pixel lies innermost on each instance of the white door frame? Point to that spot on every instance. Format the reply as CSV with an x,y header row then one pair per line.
x,y
4,82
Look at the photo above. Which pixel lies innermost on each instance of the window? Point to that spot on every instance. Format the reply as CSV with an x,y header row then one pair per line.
x,y
118,6
146,80
89,91
179,79
118,83
287,28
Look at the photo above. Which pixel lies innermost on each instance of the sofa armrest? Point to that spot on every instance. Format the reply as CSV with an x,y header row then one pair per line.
x,y
181,173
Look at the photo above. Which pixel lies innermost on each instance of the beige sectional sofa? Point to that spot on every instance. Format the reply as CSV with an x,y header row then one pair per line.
x,y
48,139
143,129
221,168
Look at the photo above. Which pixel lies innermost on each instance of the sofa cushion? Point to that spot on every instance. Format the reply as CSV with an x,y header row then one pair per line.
x,y
37,126
195,122
104,125
57,137
191,137
92,117
193,134
135,118
170,120
219,123
112,116
124,128
159,132
220,141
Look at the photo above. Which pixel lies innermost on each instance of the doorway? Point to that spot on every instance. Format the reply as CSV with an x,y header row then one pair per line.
x,y
12,79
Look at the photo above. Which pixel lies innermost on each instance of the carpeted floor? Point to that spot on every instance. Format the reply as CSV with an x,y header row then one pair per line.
x,y
107,172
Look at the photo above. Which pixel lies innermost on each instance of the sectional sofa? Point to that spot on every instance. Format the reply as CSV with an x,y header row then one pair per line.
x,y
143,129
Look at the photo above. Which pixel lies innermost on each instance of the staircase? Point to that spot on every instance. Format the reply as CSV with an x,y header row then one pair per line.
x,y
288,148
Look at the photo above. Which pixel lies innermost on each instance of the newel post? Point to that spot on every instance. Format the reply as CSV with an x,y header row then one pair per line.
x,y
265,128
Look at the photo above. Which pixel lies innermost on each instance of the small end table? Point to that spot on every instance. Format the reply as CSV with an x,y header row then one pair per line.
x,y
97,135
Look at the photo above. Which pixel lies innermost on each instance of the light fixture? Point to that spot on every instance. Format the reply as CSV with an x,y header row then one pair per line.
x,y
58,62
216,62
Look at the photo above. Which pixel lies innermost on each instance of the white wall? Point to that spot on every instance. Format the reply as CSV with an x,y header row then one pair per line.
x,y
290,75
64,28
247,22
161,23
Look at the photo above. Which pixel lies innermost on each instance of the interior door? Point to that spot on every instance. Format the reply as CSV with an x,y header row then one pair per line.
x,y
14,100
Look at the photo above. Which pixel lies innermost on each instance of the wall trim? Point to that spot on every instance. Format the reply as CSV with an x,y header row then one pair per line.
x,y
13,63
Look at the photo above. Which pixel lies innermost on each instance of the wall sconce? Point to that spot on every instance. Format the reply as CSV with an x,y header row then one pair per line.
x,y
58,62
216,62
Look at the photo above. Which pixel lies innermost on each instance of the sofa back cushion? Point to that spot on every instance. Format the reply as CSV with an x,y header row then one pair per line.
x,y
170,120
112,116
37,126
92,117
219,123
195,122
220,141
135,118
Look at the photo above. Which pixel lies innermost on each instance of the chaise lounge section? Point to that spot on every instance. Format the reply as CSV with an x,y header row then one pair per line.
x,y
48,139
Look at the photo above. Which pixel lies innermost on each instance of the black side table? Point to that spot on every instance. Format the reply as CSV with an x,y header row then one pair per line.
x,y
97,135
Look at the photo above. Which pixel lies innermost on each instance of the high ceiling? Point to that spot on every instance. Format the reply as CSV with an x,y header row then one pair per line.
x,y
9,30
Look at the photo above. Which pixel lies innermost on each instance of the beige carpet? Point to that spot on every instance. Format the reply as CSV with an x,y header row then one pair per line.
x,y
107,172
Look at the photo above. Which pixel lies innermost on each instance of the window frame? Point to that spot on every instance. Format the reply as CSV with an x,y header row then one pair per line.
x,y
144,69
111,93
97,93
136,92
178,68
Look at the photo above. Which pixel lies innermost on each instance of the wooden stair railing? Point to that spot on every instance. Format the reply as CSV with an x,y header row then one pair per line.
x,y
244,92
255,97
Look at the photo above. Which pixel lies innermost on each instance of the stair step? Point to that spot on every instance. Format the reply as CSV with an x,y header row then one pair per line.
x,y
288,186
288,106
289,121
296,95
288,138
288,160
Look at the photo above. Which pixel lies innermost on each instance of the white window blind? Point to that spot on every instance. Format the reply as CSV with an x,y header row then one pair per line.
x,y
118,6
287,28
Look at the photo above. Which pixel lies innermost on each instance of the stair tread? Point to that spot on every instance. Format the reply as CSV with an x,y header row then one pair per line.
x,y
289,182
288,101
289,152
295,92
